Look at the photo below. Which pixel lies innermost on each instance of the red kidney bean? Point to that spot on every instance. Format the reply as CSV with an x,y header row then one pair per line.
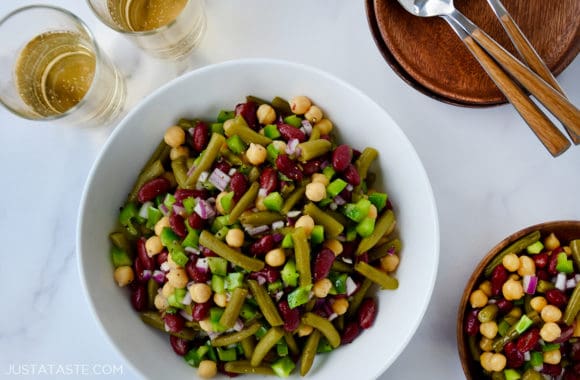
x,y
262,246
314,165
367,313
180,346
326,137
575,351
552,263
288,167
153,188
323,263
269,180
528,340
139,271
270,274
515,358
565,334
290,132
543,274
349,248
498,277
351,175
290,316
146,261
200,136
571,374
541,260
139,297
556,297
355,154
350,333
200,311
248,112
471,324
341,157
177,224
239,185
504,306
175,322
195,221
181,194
551,369
223,166
363,257
196,274
161,258
346,195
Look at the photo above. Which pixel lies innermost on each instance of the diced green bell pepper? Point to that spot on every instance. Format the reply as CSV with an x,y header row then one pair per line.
x,y
379,200
227,354
366,227
536,358
282,347
169,238
271,152
317,235
323,346
218,284
128,216
120,258
236,144
224,115
176,297
215,313
283,367
357,211
271,131
293,120
274,201
218,265
511,374
535,248
335,187
196,355
287,241
179,257
275,286
523,324
217,128
299,296
248,311
550,347
329,172
189,205
227,201
153,216
192,239
289,273
563,264
234,280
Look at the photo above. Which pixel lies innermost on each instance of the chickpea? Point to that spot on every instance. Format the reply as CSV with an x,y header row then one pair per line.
x,y
324,126
207,369
227,126
567,250
304,330
512,290
514,276
515,312
477,298
373,212
538,303
180,151
177,277
260,203
256,154
485,287
334,245
167,290
488,329
174,136
497,362
161,302
319,177
124,275
321,288
161,224
553,357
306,222
527,266
511,262
485,359
300,104
200,292
218,203
266,114
551,313
172,264
220,299
315,191
340,306
205,325
389,263
279,145
313,114
235,238
153,246
276,257
550,331
486,344
551,242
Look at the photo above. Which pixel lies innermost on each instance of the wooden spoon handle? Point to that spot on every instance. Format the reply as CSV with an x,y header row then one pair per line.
x,y
560,107
545,130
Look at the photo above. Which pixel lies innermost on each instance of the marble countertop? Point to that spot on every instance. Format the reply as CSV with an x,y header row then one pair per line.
x,y
489,173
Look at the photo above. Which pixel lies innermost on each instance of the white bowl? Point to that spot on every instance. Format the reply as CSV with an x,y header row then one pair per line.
x,y
202,93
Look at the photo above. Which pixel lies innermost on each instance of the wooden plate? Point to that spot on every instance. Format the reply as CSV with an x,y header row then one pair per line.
x,y
427,54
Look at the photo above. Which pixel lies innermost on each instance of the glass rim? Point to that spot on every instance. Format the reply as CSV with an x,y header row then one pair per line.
x,y
95,48
134,33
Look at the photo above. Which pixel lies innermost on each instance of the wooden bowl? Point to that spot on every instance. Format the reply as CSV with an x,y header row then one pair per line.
x,y
564,230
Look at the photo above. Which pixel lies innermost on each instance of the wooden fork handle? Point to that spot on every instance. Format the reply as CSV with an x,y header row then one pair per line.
x,y
558,105
545,130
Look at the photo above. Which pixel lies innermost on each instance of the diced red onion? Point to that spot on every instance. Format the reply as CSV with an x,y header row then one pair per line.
x,y
204,209
239,325
324,164
278,224
391,251
351,286
262,192
185,315
339,200
291,146
192,250
347,260
164,266
203,177
530,283
232,172
186,299
144,210
293,213
349,187
164,210
307,127
539,368
278,296
179,209
527,356
341,238
202,263
577,277
571,283
252,231
492,300
278,237
261,279
166,326
219,179
212,335
159,276
146,274
332,316
560,281
333,206
190,131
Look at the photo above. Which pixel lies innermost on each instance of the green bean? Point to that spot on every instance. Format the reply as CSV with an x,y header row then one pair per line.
x,y
331,226
152,171
309,352
495,375
248,345
245,202
338,216
185,123
376,275
575,247
364,161
245,367
530,374
153,319
381,250
240,127
281,106
220,248
231,157
324,326
260,218
292,199
385,224
233,308
339,322
314,148
315,134
254,174
473,347
341,266
573,306
544,286
265,344
291,342
208,156
358,297
265,303
120,241
516,247
152,288
179,167
488,313
302,256
255,99
235,337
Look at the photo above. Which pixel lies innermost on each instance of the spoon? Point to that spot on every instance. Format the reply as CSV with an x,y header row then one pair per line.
x,y
555,102
527,51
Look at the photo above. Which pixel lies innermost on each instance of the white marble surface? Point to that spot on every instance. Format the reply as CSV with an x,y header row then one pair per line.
x,y
489,173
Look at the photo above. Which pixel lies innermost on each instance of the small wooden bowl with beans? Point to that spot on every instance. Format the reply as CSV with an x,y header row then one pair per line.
x,y
519,314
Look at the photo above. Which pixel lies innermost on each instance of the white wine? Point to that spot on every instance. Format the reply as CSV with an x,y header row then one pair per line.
x,y
54,71
143,15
